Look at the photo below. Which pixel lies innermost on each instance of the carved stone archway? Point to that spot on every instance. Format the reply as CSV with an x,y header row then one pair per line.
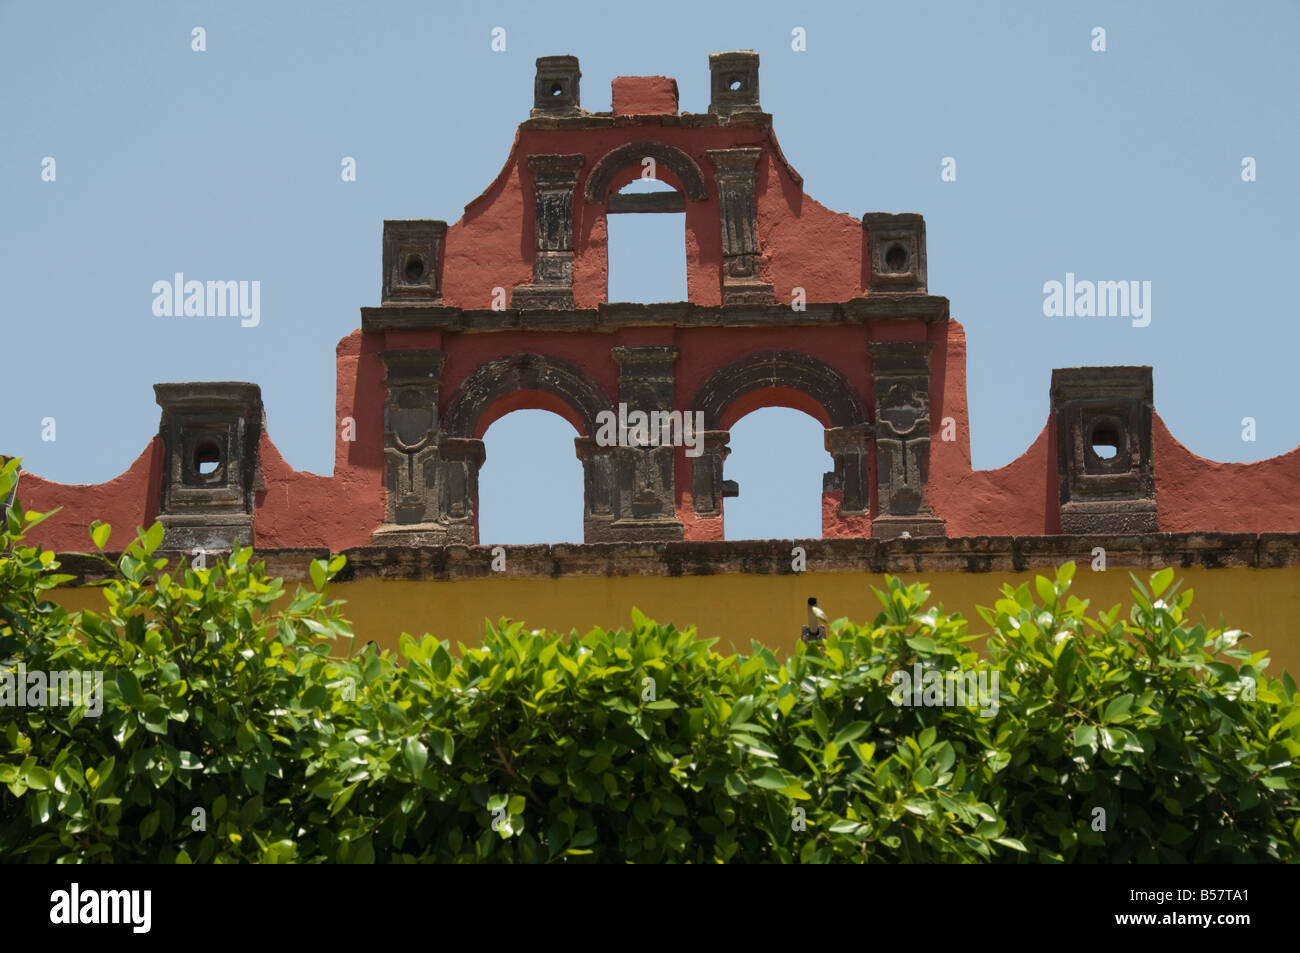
x,y
518,372
584,399
847,438
671,158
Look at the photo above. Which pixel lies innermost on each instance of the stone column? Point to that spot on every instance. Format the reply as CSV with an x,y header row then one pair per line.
x,y
849,448
554,179
645,507
902,380
412,378
459,460
210,434
708,488
740,254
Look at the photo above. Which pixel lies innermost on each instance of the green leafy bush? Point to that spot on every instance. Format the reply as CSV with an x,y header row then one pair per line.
x,y
228,733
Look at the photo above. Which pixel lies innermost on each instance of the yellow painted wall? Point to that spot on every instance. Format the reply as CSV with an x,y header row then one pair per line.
x,y
735,608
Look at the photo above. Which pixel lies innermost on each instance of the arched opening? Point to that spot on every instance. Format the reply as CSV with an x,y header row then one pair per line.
x,y
647,252
531,482
778,458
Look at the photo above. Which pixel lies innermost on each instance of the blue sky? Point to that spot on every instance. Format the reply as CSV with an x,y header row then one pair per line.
x,y
1122,165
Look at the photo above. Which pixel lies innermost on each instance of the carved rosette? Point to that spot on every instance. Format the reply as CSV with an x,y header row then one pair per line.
x,y
902,382
554,179
740,252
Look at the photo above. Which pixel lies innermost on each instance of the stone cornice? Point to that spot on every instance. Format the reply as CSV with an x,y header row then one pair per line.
x,y
973,554
603,120
611,317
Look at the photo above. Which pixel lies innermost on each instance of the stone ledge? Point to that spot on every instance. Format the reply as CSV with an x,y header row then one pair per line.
x,y
971,554
612,316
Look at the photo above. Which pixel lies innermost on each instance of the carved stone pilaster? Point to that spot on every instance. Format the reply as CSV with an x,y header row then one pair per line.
x,y
644,485
412,378
459,461
210,433
740,253
599,489
708,488
554,179
902,381
1104,410
849,447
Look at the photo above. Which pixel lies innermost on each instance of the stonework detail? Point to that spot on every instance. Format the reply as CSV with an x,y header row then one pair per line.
x,y
897,251
850,448
459,461
644,486
556,89
671,158
708,488
841,402
413,261
902,382
411,434
1103,449
210,434
741,283
733,84
506,375
554,179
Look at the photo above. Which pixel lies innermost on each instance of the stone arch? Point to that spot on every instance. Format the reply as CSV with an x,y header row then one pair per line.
x,y
499,378
785,370
810,385
675,160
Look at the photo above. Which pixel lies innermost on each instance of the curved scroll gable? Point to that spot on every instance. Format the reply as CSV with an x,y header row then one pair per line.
x,y
675,160
523,372
786,370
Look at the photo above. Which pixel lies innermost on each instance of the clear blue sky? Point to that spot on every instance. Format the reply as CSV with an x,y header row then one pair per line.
x,y
1122,165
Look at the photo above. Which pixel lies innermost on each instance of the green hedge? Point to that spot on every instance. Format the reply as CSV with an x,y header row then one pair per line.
x,y
228,733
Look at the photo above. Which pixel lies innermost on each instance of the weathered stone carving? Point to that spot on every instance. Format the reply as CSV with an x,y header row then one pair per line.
x,y
554,179
849,448
1100,409
847,439
556,90
413,261
897,250
740,256
515,372
210,434
785,369
518,372
902,381
708,488
644,492
411,446
671,158
733,83
459,461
